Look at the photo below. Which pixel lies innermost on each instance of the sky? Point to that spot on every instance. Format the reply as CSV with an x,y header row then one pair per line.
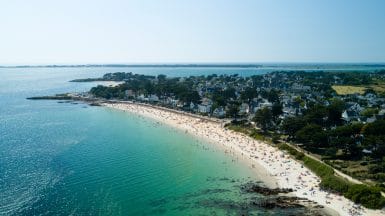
x,y
195,31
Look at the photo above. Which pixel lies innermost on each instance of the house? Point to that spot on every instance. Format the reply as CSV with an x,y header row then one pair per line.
x,y
219,112
129,93
265,104
206,101
192,106
244,109
153,98
254,105
300,88
289,111
354,107
142,98
371,119
179,104
367,151
171,101
350,115
205,106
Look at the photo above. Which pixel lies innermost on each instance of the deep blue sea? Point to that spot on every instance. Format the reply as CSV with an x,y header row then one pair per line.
x,y
74,159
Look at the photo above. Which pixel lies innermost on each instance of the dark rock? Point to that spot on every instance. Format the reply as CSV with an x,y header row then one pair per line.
x,y
95,104
279,202
255,188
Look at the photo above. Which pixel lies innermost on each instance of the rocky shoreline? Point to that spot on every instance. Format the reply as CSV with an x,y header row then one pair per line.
x,y
280,198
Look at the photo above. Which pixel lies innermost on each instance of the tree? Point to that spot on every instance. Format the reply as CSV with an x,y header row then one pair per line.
x,y
248,94
312,135
369,197
376,144
347,138
316,115
229,93
263,118
232,110
272,95
218,98
291,125
376,128
161,77
335,110
190,96
374,137
276,110
149,87
369,112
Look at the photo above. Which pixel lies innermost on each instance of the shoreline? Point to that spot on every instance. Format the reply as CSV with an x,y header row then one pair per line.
x,y
269,162
268,180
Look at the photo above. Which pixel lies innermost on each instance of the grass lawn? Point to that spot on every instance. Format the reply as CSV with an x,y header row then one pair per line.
x,y
346,89
377,85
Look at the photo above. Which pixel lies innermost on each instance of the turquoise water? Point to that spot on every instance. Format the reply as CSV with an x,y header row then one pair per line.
x,y
65,158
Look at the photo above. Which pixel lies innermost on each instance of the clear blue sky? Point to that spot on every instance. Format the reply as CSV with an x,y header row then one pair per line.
x,y
142,31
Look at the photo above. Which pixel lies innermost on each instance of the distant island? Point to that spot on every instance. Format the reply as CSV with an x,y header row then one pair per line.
x,y
334,122
140,65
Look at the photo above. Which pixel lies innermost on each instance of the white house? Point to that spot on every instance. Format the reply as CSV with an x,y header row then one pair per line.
x,y
244,109
153,98
204,108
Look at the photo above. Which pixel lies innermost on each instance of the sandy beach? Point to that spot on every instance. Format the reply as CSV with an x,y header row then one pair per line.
x,y
277,165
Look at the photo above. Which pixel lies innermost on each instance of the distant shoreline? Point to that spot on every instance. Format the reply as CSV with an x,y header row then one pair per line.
x,y
203,65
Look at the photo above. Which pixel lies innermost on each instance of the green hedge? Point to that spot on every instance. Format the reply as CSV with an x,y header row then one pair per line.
x,y
320,169
335,184
369,197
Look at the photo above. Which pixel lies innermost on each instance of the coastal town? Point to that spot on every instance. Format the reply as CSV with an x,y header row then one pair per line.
x,y
241,97
337,118
331,123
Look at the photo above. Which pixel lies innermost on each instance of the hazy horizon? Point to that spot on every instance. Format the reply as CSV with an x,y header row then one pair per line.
x,y
133,64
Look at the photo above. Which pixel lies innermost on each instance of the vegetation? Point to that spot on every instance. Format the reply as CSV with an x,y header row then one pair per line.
x,y
245,128
298,155
305,108
348,89
368,196
316,123
264,118
145,85
351,142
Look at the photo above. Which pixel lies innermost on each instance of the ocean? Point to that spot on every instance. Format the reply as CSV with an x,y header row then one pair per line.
x,y
74,159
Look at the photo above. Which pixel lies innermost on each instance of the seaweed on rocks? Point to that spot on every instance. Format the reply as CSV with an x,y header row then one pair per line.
x,y
251,187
